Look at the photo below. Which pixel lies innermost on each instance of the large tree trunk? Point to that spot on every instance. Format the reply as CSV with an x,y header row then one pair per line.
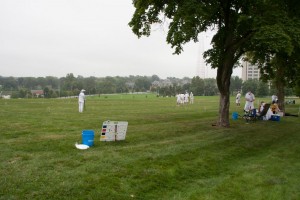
x,y
223,81
280,84
229,45
280,94
223,120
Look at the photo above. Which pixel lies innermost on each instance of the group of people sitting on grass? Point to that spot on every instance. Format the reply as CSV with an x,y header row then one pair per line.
x,y
272,110
265,111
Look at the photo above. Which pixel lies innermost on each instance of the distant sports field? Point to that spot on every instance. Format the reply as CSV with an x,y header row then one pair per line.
x,y
170,152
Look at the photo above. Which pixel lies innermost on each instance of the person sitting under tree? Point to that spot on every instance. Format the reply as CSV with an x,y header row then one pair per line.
x,y
274,107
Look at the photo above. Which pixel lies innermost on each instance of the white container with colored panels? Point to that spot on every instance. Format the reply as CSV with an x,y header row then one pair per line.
x,y
113,130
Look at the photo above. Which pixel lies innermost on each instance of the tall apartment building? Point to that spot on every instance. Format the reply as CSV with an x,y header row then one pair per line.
x,y
249,71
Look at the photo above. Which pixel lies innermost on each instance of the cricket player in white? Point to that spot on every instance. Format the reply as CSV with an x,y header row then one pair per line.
x,y
178,99
186,98
182,98
191,98
249,101
238,99
81,99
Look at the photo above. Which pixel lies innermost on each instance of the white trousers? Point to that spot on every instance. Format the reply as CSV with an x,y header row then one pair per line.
x,y
81,104
249,105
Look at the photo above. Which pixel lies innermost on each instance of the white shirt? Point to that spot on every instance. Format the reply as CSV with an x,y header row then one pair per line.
x,y
238,97
178,98
274,98
81,97
186,97
249,101
191,95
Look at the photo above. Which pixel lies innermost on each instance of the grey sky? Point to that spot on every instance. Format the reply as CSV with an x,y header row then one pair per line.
x,y
88,38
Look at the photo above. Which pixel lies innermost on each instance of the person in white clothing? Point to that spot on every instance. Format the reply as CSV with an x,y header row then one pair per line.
x,y
274,98
81,100
178,99
260,108
186,98
191,98
238,99
181,98
250,98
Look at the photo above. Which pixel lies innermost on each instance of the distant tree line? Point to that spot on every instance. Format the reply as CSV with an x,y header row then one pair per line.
x,y
53,87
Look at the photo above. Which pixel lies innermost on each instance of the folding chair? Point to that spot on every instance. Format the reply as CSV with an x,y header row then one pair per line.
x,y
263,112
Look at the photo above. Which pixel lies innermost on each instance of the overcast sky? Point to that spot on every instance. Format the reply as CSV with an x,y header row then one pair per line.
x,y
41,38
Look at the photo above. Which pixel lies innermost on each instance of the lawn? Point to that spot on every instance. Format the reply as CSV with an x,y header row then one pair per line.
x,y
170,152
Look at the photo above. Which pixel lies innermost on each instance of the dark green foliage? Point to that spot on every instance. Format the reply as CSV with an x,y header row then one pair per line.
x,y
197,86
250,85
263,89
235,84
210,88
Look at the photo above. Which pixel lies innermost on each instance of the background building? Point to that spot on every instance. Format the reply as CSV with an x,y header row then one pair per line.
x,y
249,71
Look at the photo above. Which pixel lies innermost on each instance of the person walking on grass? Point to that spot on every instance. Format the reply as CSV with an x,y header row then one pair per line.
x,y
81,100
238,99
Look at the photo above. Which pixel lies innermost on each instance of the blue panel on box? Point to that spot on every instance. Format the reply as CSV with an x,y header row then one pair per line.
x,y
275,118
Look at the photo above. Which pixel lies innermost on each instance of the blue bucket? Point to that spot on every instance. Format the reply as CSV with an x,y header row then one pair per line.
x,y
235,115
88,137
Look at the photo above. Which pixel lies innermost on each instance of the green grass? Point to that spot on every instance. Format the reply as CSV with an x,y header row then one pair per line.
x,y
170,152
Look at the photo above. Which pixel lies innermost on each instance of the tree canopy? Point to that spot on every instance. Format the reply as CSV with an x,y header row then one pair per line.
x,y
239,25
275,48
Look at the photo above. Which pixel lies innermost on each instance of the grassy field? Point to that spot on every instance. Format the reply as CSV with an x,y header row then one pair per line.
x,y
170,152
